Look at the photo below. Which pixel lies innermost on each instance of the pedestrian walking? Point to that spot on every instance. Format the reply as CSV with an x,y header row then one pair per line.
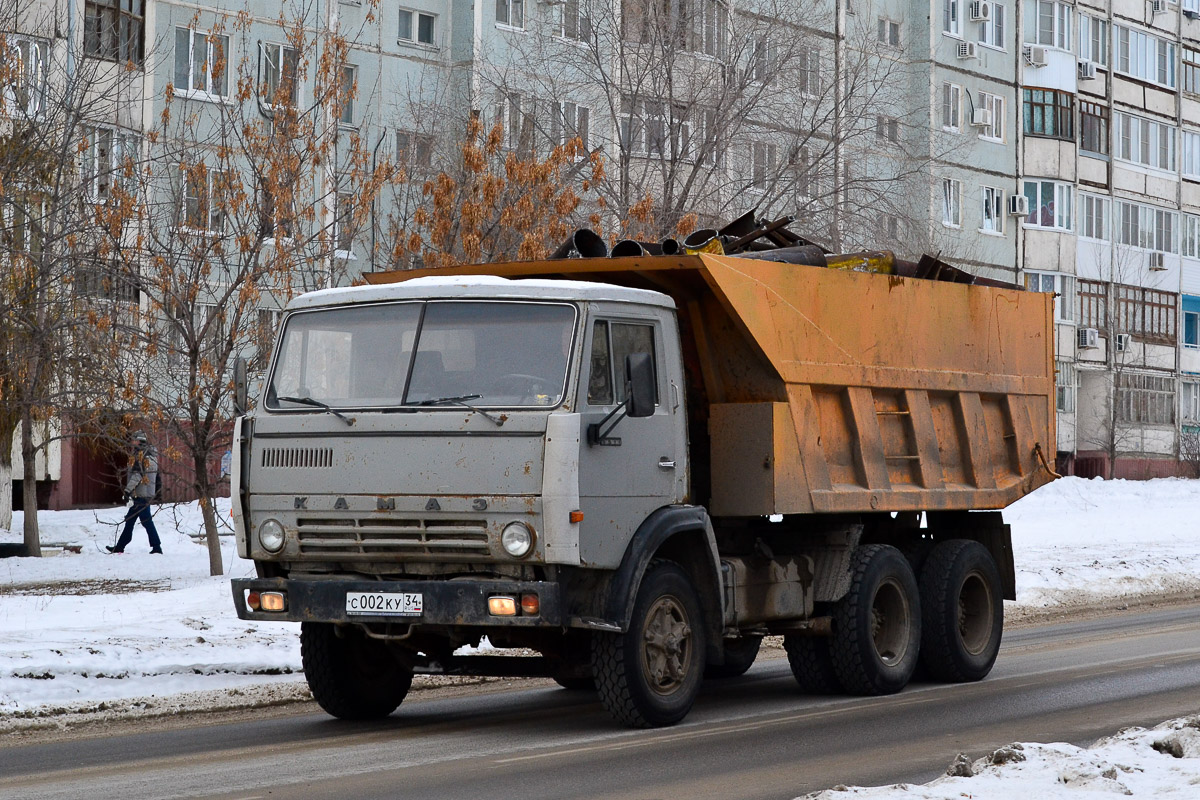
x,y
140,486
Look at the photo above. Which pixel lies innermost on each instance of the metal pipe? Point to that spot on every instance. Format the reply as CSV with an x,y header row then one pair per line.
x,y
705,240
807,254
670,247
627,247
584,243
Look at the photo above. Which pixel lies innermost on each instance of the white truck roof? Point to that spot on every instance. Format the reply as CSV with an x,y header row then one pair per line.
x,y
470,286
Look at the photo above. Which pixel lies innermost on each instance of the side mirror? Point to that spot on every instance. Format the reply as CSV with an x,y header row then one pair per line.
x,y
639,377
239,387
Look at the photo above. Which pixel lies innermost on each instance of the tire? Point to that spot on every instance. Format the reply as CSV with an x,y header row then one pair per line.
x,y
575,683
648,677
962,611
812,664
877,625
351,676
739,657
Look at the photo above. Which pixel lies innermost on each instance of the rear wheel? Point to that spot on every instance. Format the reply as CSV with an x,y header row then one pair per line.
x,y
649,676
739,657
877,625
962,611
351,676
811,663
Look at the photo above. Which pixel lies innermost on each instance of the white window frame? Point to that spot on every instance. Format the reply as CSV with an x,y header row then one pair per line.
x,y
1183,329
1144,56
888,32
103,159
952,203
214,223
1189,239
995,104
414,27
1094,39
1189,398
1093,217
1062,196
1145,227
887,129
764,165
338,250
569,119
1143,141
1064,386
1189,165
951,107
993,210
952,18
208,91
273,58
1058,33
1063,287
993,32
411,147
347,118
32,60
572,21
510,14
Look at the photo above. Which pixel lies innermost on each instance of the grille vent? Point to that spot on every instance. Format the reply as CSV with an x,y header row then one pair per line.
x,y
297,457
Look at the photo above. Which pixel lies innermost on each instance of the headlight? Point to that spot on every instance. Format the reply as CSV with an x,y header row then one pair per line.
x,y
270,535
517,539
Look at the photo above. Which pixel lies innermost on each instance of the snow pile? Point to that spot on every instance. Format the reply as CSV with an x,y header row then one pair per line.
x,y
1161,763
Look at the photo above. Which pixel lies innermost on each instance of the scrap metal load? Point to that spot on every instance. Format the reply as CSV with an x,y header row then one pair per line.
x,y
874,384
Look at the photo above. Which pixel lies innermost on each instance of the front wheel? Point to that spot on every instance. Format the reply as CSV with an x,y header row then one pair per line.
x,y
963,611
877,625
351,676
649,676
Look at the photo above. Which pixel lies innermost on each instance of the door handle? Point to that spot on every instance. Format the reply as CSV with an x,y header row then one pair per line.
x,y
663,463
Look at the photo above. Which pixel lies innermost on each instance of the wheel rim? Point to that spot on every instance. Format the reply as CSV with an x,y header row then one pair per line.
x,y
891,622
667,646
975,606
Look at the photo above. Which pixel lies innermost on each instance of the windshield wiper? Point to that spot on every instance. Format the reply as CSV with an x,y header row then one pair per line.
x,y
308,401
461,400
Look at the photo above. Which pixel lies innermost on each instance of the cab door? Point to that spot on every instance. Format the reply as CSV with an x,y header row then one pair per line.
x,y
639,467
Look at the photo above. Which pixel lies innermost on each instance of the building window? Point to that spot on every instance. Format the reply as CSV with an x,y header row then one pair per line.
x,y
1190,246
414,149
114,30
1191,154
1146,227
952,17
346,93
1093,39
23,219
764,61
280,75
570,120
889,32
1049,112
511,13
573,21
25,85
416,26
951,203
264,336
105,280
277,211
993,210
951,107
807,64
1145,399
109,162
1191,70
1064,386
764,161
343,223
887,129
992,31
1093,217
1093,127
994,131
1061,286
205,195
1190,402
201,63
701,26
1049,205
1191,322
1093,303
1144,141
1141,55
1048,23
1147,313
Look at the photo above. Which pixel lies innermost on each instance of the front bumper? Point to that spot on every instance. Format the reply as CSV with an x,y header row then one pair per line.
x,y
445,603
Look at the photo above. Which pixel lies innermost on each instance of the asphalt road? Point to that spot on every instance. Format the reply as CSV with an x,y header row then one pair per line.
x,y
752,737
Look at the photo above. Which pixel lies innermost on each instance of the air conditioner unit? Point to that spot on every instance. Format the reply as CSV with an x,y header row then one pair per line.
x,y
1087,71
981,11
1123,340
981,117
1157,261
967,50
1089,338
1018,205
1036,55
1158,6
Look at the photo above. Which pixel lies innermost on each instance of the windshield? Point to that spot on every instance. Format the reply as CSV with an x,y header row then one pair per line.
x,y
393,354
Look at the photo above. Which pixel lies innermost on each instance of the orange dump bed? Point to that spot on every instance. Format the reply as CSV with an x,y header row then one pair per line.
x,y
821,390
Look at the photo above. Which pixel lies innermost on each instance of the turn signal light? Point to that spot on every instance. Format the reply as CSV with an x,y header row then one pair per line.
x,y
252,601
500,606
576,516
530,605
273,601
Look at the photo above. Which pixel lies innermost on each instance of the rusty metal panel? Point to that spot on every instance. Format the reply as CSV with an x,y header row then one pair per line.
x,y
921,418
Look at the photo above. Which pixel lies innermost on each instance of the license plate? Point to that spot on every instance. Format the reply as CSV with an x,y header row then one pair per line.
x,y
384,604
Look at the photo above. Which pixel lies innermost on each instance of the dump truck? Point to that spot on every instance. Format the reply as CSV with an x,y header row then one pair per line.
x,y
624,472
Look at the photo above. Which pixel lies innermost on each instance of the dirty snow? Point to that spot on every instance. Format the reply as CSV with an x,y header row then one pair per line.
x,y
84,632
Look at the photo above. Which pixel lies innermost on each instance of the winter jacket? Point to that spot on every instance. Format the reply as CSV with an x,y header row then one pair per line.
x,y
143,472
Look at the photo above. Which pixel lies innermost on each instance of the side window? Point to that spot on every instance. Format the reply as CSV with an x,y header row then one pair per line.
x,y
611,342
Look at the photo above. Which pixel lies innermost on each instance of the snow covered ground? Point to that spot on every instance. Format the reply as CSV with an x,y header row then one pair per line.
x,y
84,632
